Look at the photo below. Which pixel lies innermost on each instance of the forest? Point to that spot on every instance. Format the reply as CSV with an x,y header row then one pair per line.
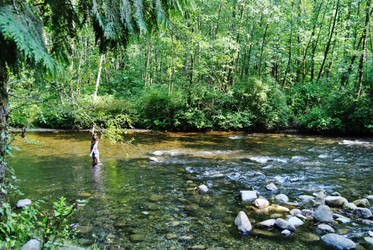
x,y
219,65
243,71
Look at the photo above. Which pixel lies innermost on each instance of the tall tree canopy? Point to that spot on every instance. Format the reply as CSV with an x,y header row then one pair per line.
x,y
38,34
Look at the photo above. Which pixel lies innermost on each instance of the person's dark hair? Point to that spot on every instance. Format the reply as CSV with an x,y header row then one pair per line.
x,y
94,138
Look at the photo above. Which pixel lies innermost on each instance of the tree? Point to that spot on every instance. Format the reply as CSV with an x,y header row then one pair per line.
x,y
26,27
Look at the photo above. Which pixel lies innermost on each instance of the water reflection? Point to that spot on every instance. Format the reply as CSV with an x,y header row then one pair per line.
x,y
147,188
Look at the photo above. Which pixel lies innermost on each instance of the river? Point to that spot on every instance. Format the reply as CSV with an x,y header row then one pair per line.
x,y
144,194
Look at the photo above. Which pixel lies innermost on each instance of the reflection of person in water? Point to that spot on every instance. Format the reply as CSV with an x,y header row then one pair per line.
x,y
96,176
94,150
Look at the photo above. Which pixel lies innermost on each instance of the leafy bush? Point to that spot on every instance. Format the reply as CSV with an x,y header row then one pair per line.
x,y
17,227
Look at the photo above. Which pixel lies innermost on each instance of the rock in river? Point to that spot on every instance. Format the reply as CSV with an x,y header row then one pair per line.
x,y
295,221
286,233
268,223
23,203
203,188
335,201
324,228
338,242
362,203
282,198
248,196
362,212
242,222
283,224
271,187
261,203
323,214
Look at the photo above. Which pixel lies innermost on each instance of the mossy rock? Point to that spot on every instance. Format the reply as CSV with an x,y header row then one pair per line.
x,y
137,237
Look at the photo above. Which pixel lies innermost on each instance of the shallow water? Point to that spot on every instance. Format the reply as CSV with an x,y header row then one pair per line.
x,y
147,188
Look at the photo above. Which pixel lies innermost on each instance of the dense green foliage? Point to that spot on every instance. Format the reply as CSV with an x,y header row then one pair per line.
x,y
222,65
18,227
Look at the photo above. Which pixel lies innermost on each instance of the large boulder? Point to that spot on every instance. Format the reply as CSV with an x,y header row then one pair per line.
x,y
338,242
23,203
335,201
243,223
323,214
32,245
248,196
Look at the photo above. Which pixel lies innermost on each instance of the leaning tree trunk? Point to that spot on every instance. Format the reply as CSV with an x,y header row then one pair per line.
x,y
3,125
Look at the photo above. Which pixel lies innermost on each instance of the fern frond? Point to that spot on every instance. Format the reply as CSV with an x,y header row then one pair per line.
x,y
24,28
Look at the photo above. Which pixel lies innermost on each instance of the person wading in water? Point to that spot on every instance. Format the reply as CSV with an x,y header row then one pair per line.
x,y
94,150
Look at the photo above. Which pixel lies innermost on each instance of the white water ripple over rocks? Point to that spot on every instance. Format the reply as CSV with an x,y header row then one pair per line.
x,y
265,159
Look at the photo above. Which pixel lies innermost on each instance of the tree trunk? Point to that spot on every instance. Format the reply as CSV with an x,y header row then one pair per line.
x,y
3,123
262,49
290,45
98,80
329,42
363,51
309,41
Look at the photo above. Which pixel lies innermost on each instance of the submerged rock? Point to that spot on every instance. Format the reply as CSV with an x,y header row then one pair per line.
x,y
323,214
295,221
309,237
308,213
285,233
362,203
278,209
32,245
282,198
324,228
342,219
369,240
338,242
248,196
307,200
263,233
203,188
350,206
23,203
137,237
242,222
171,236
283,224
271,187
268,223
335,201
362,212
261,203
295,211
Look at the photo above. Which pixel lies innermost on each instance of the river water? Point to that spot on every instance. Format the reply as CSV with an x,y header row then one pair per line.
x,y
144,196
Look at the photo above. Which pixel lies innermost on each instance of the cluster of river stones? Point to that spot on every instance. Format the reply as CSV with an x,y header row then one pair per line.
x,y
322,211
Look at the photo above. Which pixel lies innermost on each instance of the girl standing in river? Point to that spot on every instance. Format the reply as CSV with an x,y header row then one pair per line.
x,y
94,150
